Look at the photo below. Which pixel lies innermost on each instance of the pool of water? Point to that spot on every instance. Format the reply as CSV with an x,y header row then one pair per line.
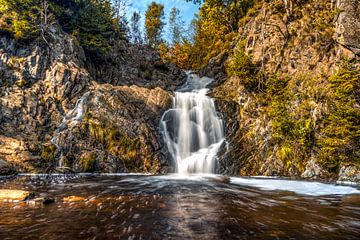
x,y
179,207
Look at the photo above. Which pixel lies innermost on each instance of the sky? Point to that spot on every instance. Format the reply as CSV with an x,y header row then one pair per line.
x,y
187,11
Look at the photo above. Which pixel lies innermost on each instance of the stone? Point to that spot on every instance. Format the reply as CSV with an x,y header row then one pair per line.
x,y
349,174
9,195
116,117
313,170
348,25
74,199
40,85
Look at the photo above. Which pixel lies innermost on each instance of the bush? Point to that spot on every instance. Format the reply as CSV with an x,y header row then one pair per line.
x,y
242,67
340,138
88,162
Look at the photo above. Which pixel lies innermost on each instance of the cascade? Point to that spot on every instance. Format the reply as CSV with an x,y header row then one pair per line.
x,y
192,129
69,121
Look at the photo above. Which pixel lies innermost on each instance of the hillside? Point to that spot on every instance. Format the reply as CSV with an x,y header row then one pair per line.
x,y
65,101
288,88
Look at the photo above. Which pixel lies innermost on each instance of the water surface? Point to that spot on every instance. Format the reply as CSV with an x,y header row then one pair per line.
x,y
175,207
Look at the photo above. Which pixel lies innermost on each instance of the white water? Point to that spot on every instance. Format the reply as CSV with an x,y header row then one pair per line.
x,y
192,129
71,119
299,187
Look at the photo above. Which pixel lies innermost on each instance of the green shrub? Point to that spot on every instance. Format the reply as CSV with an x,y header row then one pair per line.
x,y
340,138
48,152
242,67
88,162
118,144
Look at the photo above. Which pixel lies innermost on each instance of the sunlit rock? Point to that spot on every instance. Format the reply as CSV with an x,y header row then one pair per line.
x,y
8,195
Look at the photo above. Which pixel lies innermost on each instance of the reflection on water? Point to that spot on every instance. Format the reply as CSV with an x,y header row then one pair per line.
x,y
152,207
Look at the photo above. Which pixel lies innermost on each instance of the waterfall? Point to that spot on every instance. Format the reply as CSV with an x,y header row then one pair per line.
x,y
192,129
70,120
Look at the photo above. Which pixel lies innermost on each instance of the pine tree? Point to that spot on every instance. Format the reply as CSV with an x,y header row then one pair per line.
x,y
154,23
176,26
135,28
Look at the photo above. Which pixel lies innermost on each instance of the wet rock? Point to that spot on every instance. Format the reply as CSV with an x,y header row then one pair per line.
x,y
349,174
74,199
312,171
8,195
41,201
6,169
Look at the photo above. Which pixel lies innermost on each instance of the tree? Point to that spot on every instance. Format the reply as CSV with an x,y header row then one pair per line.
x,y
176,26
135,28
154,23
119,7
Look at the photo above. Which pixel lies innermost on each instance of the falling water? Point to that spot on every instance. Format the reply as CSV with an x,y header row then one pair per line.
x,y
69,121
192,129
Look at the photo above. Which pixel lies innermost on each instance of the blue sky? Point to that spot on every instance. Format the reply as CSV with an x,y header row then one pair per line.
x,y
187,10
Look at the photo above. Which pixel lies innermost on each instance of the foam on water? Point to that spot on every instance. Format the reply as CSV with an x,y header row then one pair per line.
x,y
192,129
299,187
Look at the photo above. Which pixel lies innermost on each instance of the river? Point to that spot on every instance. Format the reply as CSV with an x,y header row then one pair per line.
x,y
179,207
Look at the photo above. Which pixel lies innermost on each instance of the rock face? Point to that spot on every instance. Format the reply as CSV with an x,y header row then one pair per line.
x,y
117,131
137,65
41,84
287,44
348,25
38,84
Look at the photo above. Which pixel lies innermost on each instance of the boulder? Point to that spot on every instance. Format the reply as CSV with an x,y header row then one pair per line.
x,y
313,170
349,174
8,195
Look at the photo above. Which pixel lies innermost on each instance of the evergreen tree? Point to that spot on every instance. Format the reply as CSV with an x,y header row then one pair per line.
x,y
176,26
135,28
154,23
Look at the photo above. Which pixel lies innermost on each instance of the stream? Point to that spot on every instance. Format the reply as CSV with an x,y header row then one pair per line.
x,y
179,207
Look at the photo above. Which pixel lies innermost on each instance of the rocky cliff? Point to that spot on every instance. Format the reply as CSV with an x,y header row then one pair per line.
x,y
56,108
281,91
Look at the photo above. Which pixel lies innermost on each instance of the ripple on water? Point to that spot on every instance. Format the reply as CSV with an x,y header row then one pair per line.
x,y
181,207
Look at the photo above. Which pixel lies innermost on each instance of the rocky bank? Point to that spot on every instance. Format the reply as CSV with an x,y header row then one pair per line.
x,y
303,42
57,106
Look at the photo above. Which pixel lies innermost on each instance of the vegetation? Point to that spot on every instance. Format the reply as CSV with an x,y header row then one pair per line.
x,y
117,144
136,36
340,138
48,152
88,162
176,26
94,23
154,24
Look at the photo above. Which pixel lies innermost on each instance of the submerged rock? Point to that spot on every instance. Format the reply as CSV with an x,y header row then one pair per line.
x,y
74,199
41,201
8,195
